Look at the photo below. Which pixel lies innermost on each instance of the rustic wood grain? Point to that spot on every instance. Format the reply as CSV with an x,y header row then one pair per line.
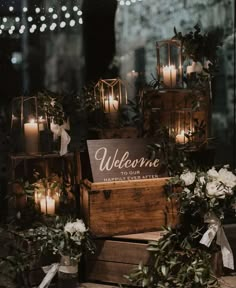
x,y
126,209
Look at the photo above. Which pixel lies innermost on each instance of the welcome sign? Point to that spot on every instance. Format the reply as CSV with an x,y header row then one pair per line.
x,y
123,159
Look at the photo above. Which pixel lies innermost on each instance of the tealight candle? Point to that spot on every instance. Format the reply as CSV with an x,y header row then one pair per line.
x,y
47,205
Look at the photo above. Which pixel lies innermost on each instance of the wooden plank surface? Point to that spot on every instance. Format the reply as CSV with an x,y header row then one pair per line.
x,y
109,272
126,184
120,251
148,236
129,211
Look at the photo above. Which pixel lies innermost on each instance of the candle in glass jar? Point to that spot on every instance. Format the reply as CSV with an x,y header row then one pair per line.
x,y
181,138
169,76
111,105
47,205
31,137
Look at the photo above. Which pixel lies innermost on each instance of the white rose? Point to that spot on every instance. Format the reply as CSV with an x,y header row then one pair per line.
x,y
214,189
213,173
227,177
79,226
188,177
69,228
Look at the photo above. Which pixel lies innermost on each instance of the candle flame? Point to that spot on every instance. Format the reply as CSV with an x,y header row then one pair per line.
x,y
32,120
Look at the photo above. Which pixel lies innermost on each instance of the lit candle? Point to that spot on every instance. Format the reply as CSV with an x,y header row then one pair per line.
x,y
111,105
181,138
31,137
38,193
169,76
47,205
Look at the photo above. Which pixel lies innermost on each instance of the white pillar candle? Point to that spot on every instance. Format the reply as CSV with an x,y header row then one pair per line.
x,y
111,105
38,194
31,137
47,205
169,76
181,138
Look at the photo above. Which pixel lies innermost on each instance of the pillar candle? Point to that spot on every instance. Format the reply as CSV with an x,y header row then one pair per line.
x,y
31,137
181,138
47,205
111,105
169,76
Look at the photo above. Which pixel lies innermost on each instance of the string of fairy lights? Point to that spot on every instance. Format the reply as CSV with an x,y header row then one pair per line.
x,y
41,19
128,2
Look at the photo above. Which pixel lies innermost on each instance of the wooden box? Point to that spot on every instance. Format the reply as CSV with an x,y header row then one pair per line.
x,y
117,256
126,207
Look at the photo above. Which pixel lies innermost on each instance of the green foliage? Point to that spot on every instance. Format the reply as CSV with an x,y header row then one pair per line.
x,y
175,262
54,237
200,47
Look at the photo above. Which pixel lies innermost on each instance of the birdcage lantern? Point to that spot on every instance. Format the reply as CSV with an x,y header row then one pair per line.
x,y
27,125
169,64
112,95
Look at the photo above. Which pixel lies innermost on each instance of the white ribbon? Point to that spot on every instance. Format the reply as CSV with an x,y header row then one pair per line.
x,y
59,130
51,272
215,229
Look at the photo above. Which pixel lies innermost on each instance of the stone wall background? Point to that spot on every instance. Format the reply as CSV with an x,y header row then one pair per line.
x,y
141,24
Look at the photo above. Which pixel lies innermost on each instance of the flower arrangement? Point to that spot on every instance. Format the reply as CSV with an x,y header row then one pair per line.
x,y
62,237
183,256
203,192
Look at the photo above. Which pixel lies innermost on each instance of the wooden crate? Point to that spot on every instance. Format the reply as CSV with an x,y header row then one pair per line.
x,y
126,207
117,257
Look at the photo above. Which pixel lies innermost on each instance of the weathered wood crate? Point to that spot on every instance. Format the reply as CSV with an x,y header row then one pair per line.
x,y
117,256
126,207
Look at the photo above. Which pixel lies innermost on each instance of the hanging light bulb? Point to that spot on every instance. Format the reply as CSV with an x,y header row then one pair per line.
x,y
63,8
54,16
37,10
80,21
25,9
50,9
72,23
75,8
79,13
17,19
67,15
42,18
11,8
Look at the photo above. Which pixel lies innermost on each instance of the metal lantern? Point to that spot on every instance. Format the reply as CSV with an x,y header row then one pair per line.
x,y
169,64
27,126
112,95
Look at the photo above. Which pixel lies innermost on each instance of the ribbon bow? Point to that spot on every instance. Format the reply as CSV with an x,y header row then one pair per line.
x,y
59,130
215,229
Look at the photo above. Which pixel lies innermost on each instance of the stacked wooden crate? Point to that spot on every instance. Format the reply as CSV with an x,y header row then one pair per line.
x,y
123,216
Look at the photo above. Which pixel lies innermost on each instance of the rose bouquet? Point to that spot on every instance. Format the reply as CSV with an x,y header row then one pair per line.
x,y
202,192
